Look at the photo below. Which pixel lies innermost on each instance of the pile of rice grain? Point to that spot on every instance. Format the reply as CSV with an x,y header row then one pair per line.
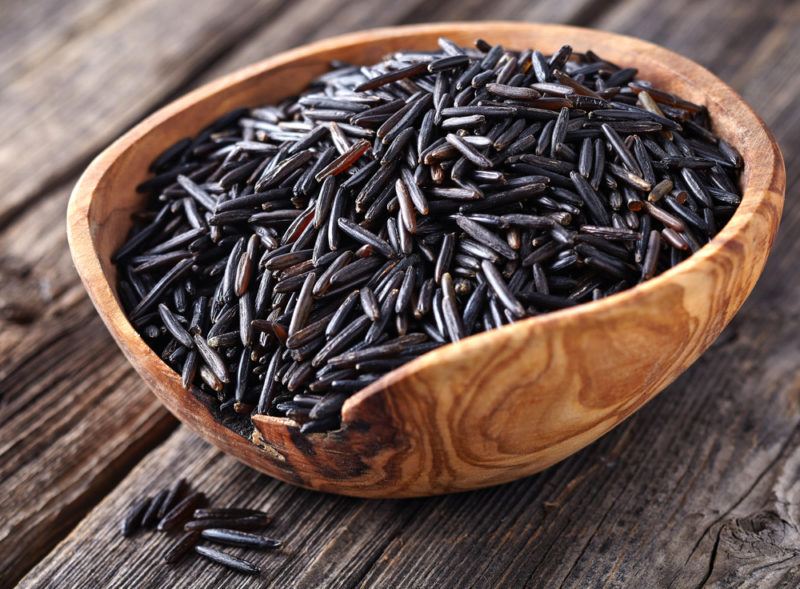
x,y
292,254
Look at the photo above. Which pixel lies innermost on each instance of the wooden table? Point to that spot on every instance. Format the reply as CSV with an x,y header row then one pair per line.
x,y
702,487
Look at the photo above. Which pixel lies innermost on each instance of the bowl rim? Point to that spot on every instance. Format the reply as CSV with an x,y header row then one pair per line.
x,y
758,191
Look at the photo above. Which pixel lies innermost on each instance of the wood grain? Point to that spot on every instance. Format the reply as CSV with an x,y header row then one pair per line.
x,y
58,363
324,536
317,19
514,535
95,107
61,379
642,507
500,405
23,45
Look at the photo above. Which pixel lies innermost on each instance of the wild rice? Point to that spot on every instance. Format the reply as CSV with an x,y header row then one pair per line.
x,y
233,526
233,537
228,560
133,518
431,196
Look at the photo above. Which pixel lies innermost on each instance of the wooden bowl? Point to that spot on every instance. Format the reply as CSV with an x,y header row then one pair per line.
x,y
496,406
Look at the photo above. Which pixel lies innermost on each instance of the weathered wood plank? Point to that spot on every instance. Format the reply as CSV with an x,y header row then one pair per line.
x,y
527,533
698,468
323,535
685,27
334,17
74,417
698,486
99,82
31,30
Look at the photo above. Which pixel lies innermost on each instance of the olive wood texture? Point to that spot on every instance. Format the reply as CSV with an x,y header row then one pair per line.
x,y
498,405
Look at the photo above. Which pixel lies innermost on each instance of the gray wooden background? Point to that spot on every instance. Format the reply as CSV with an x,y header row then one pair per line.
x,y
699,488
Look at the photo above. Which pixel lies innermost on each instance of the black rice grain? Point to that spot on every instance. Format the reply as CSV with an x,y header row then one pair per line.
x,y
133,518
435,195
150,517
227,512
239,538
173,496
182,547
245,522
182,511
228,560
